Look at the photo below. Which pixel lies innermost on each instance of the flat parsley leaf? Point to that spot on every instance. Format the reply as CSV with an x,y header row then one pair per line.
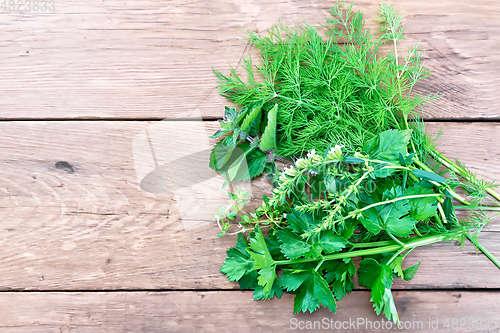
x,y
410,272
340,274
292,245
311,290
394,219
422,208
276,290
331,242
397,268
378,278
371,221
390,218
238,261
301,222
388,145
262,261
259,251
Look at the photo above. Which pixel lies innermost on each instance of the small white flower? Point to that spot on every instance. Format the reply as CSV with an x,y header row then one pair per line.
x,y
289,171
284,215
301,163
314,173
335,152
311,153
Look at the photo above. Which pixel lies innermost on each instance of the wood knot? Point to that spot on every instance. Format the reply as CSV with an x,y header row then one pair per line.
x,y
65,166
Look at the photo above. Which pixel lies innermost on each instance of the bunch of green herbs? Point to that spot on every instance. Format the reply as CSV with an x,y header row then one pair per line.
x,y
371,183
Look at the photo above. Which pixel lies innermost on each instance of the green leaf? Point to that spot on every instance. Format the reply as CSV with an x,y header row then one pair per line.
x,y
238,261
238,163
292,245
397,266
427,175
219,133
449,212
267,278
353,160
410,272
339,274
378,278
227,124
259,251
371,221
220,155
259,292
249,280
331,242
236,167
311,290
422,208
292,279
262,261
268,139
273,244
394,221
301,222
256,162
368,272
250,118
390,217
388,145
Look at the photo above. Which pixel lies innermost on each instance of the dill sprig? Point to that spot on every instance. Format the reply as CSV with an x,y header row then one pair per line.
x,y
339,89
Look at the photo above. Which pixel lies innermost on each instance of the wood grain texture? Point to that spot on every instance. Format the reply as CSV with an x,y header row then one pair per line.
x,y
74,217
152,59
234,311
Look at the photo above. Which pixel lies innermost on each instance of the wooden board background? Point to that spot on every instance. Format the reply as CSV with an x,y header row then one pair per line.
x,y
84,249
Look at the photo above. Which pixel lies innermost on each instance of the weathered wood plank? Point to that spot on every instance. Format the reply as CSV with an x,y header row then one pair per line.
x,y
234,311
88,225
153,60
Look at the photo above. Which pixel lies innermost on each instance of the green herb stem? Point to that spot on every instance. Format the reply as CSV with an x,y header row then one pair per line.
x,y
395,239
396,255
414,242
371,244
478,207
476,243
483,249
441,212
396,199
